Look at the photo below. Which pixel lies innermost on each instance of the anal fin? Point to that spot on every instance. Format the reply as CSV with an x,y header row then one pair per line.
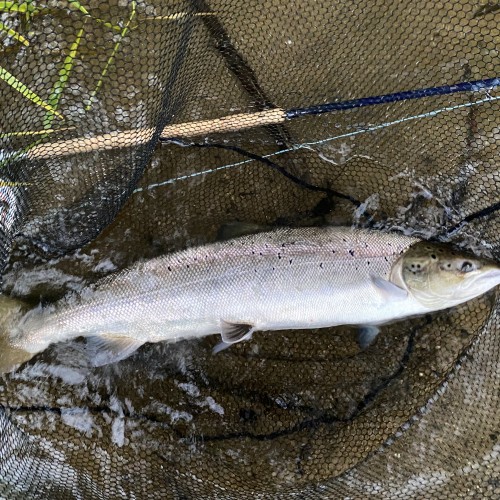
x,y
110,348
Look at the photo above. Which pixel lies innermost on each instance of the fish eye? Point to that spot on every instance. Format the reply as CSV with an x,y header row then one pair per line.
x,y
467,266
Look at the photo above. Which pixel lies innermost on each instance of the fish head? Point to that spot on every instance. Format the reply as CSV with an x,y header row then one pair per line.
x,y
439,276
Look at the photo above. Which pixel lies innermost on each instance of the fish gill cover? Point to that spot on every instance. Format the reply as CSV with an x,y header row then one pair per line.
x,y
130,129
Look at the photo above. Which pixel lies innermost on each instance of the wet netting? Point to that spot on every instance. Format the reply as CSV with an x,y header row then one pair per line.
x,y
130,129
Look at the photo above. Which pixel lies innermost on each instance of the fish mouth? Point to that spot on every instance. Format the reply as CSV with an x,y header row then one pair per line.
x,y
483,280
474,284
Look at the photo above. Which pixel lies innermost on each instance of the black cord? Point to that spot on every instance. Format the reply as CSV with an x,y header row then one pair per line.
x,y
275,166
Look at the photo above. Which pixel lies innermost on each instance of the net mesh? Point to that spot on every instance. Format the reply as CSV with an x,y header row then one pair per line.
x,y
89,89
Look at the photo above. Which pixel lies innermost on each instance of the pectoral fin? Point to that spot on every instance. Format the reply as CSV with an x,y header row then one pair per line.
x,y
389,290
232,333
366,335
110,348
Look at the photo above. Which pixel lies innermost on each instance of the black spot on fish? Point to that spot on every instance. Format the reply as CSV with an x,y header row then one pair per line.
x,y
321,265
260,253
187,265
385,258
351,252
169,268
290,261
368,262
279,256
283,245
343,239
333,251
433,256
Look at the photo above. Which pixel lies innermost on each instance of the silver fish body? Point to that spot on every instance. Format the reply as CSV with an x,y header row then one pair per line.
x,y
285,279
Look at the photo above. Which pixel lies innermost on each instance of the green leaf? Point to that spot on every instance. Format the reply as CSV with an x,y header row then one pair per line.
x,y
112,56
17,7
64,73
82,9
18,154
79,6
25,133
9,7
107,24
26,92
14,34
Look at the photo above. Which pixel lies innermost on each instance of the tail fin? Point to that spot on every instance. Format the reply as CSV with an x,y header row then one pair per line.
x,y
11,356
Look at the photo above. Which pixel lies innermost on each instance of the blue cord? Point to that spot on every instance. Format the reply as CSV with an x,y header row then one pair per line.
x,y
395,97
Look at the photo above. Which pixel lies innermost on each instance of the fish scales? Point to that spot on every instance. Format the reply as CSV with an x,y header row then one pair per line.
x,y
285,279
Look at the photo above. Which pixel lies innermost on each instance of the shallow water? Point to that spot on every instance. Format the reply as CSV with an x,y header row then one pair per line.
x,y
290,413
